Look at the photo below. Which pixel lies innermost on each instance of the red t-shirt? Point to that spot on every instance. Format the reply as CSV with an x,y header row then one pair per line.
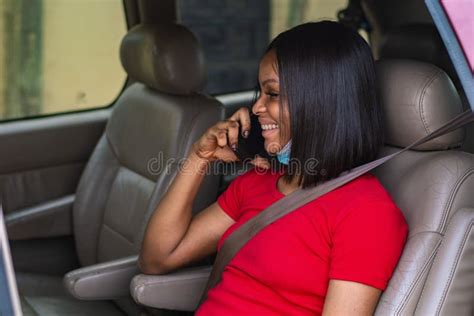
x,y
354,233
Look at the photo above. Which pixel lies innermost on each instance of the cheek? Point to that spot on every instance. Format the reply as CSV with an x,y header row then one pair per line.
x,y
273,110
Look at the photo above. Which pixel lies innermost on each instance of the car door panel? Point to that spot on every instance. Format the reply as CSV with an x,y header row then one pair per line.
x,y
42,161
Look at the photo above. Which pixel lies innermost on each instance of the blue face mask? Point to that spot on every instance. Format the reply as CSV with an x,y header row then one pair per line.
x,y
284,154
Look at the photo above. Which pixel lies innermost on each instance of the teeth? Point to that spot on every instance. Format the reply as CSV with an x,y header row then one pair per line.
x,y
267,127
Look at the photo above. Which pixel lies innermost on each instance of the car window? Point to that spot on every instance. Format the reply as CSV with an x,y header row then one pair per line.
x,y
59,55
234,34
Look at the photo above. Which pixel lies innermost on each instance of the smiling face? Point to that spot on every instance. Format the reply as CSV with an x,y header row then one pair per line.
x,y
275,125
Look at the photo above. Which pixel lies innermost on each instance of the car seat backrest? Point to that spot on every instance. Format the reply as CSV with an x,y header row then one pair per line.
x,y
433,186
152,126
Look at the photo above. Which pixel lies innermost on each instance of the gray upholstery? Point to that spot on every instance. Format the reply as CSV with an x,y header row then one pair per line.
x,y
148,132
179,290
42,159
21,190
36,284
49,256
417,98
45,295
48,219
450,286
434,190
63,305
102,281
166,57
432,186
119,181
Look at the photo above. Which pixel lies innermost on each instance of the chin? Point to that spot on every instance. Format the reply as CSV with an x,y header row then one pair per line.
x,y
272,148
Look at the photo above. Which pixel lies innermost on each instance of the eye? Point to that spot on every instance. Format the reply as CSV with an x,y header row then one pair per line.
x,y
272,94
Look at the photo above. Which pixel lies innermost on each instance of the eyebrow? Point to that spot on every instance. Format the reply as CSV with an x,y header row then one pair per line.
x,y
269,80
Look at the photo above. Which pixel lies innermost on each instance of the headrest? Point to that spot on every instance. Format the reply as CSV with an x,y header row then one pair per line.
x,y
165,57
417,98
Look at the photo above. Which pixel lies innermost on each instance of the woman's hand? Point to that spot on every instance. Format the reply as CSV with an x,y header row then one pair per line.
x,y
220,141
260,162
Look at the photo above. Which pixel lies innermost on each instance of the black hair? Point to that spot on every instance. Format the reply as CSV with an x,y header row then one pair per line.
x,y
327,78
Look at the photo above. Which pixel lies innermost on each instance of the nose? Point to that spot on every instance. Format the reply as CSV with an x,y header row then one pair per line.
x,y
259,106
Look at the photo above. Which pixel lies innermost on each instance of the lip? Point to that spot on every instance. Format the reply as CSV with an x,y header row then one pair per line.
x,y
265,122
268,133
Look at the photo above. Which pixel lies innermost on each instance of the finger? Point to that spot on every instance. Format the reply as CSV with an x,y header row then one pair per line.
x,y
260,162
243,117
233,134
221,137
222,124
232,129
226,154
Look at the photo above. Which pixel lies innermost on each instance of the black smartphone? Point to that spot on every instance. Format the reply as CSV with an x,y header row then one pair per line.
x,y
248,148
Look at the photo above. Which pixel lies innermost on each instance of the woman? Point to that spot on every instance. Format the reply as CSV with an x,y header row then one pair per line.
x,y
333,256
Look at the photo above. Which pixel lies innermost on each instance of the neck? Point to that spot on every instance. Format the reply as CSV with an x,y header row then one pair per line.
x,y
287,187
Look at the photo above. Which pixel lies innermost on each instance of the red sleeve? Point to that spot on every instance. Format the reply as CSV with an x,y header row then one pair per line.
x,y
231,199
367,243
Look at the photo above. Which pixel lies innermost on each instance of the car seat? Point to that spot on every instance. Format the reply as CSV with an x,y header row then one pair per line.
x,y
433,186
152,126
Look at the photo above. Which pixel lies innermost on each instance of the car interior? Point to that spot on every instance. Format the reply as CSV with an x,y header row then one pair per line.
x,y
78,187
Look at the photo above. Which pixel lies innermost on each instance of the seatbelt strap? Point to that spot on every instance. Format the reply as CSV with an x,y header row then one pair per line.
x,y
298,198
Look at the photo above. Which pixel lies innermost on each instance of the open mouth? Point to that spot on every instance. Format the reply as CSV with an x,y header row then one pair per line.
x,y
269,127
268,130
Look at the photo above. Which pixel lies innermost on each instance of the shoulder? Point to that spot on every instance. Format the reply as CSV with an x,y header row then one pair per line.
x,y
363,200
365,189
367,232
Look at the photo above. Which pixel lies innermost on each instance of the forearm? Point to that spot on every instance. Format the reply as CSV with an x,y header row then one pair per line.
x,y
172,217
165,244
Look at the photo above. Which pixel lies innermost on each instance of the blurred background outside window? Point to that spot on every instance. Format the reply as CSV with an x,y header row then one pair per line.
x,y
59,55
